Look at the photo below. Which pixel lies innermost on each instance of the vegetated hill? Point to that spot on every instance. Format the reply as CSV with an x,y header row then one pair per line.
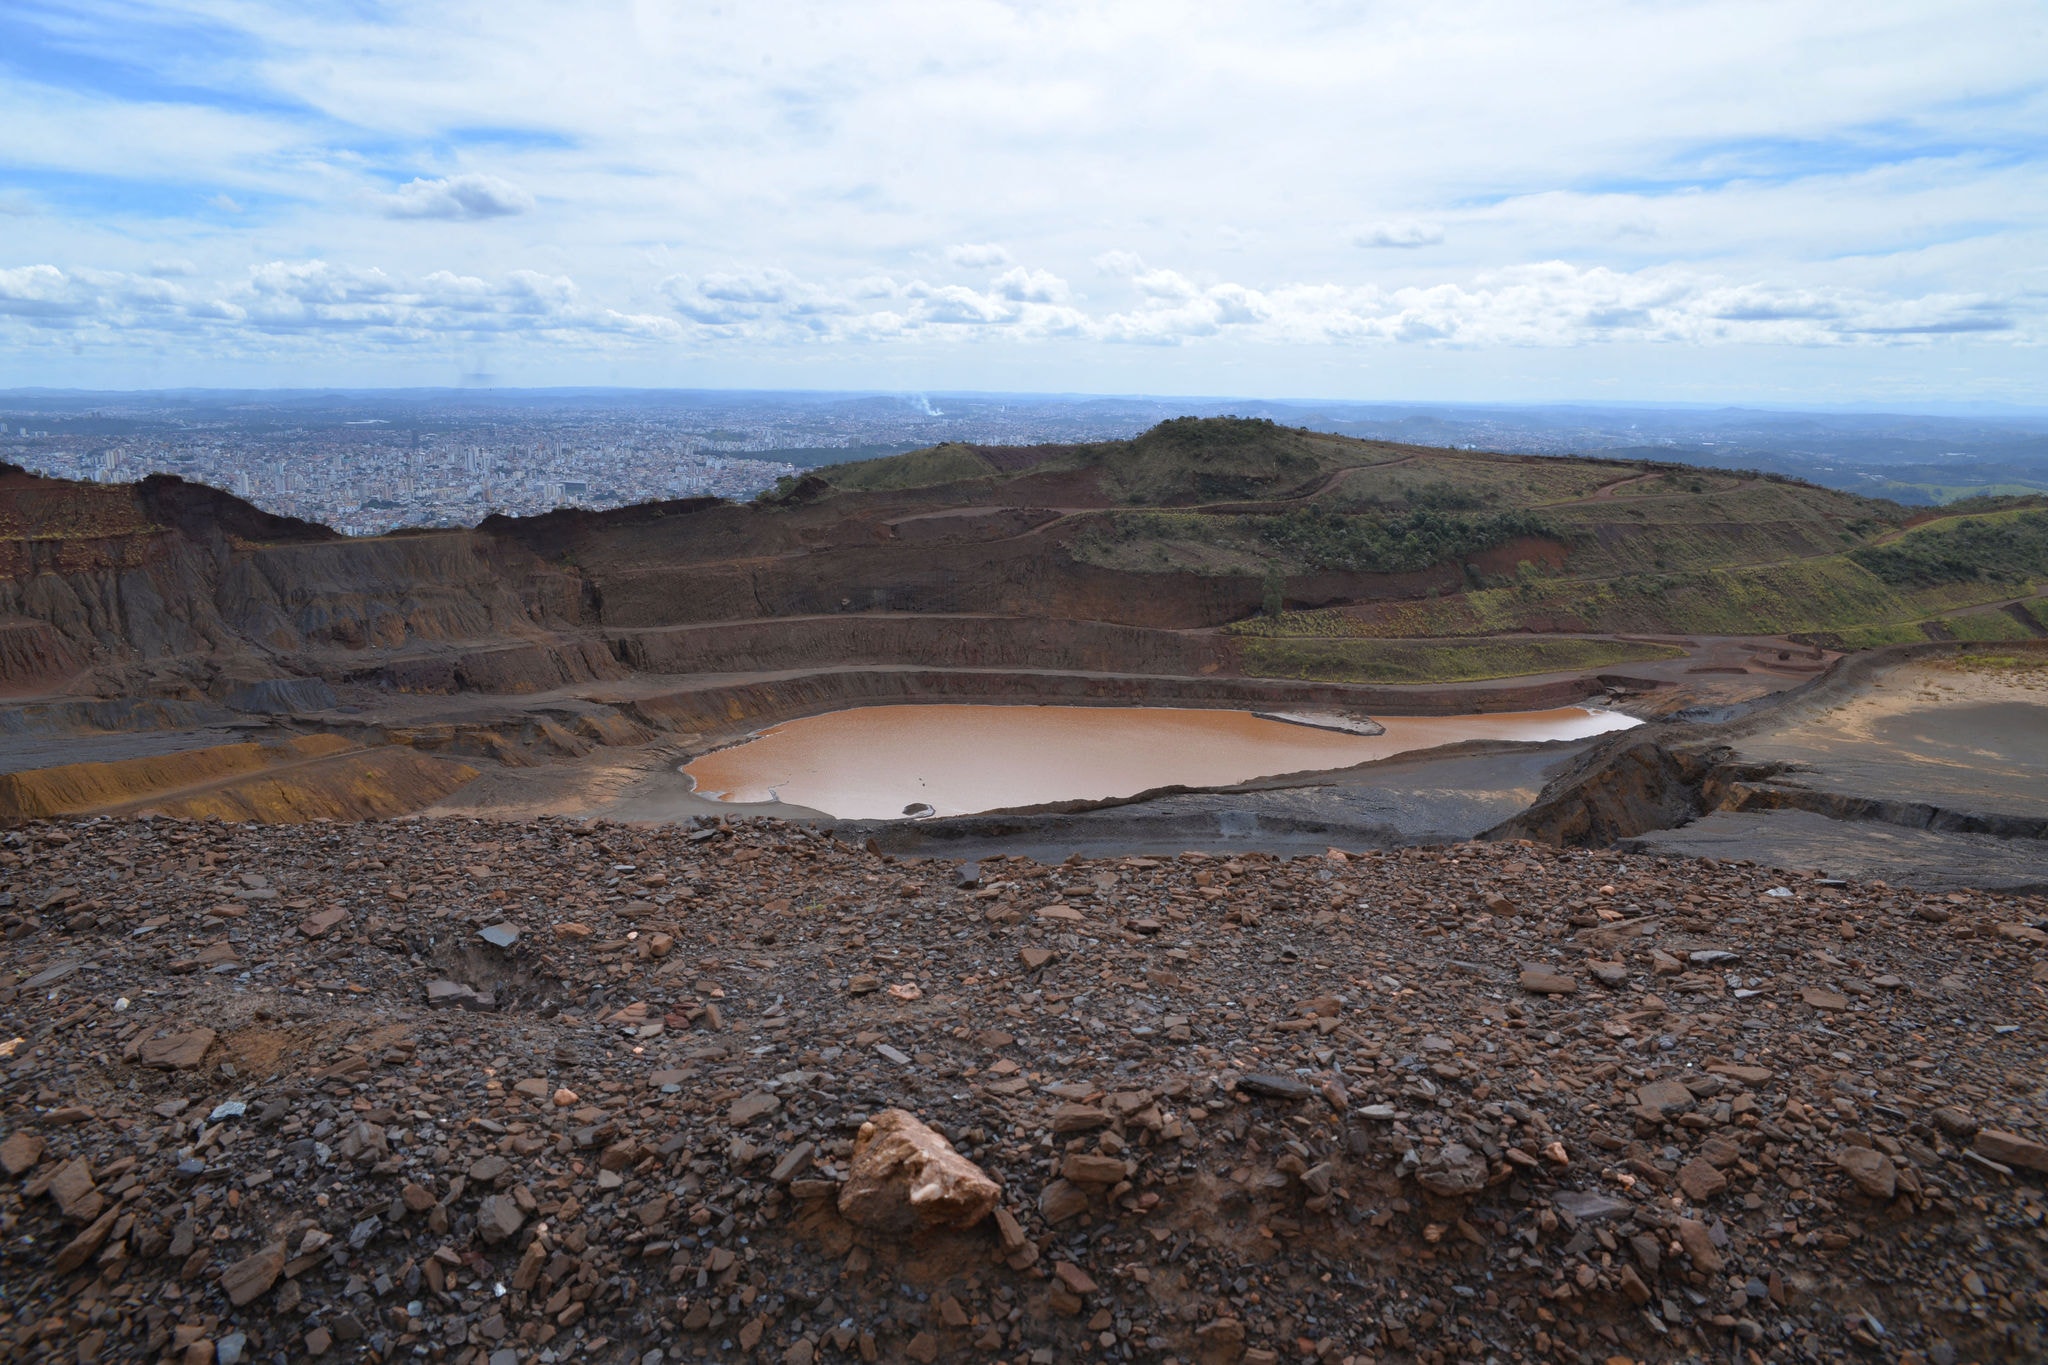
x,y
1196,525
1183,461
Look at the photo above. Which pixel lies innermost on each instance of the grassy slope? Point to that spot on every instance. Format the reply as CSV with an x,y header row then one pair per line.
x,y
1410,661
918,469
1643,548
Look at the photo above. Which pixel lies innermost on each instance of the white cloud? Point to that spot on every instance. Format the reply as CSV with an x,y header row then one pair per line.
x,y
873,287
458,196
1407,233
748,286
725,298
978,255
1725,174
41,292
951,303
1549,304
1031,286
318,299
307,306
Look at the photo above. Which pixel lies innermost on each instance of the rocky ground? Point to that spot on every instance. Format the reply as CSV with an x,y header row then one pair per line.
x,y
497,1093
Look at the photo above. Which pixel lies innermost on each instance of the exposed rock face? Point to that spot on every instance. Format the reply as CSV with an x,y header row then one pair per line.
x,y
162,569
928,641
906,1178
33,653
1623,788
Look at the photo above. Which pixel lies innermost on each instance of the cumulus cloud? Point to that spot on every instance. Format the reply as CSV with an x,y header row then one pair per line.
x,y
1031,286
956,304
42,292
321,296
750,286
978,255
314,298
1402,234
729,297
458,196
1542,304
1538,304
44,296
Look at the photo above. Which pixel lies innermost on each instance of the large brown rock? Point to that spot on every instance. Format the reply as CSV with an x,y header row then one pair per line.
x,y
1091,1168
20,1152
905,1178
1700,1180
1454,1169
179,1052
1060,1200
1545,981
2012,1149
1698,1242
498,1219
1872,1171
252,1276
81,1248
71,1186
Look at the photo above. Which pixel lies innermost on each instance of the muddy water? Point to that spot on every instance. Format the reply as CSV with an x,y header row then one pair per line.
x,y
874,761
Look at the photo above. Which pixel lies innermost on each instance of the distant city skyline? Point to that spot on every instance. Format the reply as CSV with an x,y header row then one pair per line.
x,y
1791,202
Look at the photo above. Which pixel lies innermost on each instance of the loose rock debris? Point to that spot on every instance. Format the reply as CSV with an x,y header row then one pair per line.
x,y
1483,1102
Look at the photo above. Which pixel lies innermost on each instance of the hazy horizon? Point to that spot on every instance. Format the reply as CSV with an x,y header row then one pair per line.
x,y
1868,407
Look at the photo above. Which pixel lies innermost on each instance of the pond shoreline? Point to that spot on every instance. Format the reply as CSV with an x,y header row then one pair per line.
x,y
874,763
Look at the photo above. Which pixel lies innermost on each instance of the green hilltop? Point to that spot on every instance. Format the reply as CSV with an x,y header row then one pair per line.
x,y
1367,541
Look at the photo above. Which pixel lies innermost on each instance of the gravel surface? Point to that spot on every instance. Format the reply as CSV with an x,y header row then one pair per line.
x,y
494,1093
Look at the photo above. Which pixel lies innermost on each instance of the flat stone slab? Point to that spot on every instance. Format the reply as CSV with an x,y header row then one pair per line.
x,y
253,1275
750,1108
1591,1206
443,995
313,926
2011,1149
179,1052
51,975
1274,1087
1544,981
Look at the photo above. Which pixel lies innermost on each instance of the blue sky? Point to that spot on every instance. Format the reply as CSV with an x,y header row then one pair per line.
x,y
1667,199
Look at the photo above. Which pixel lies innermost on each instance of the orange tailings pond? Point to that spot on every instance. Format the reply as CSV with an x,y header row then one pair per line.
x,y
884,762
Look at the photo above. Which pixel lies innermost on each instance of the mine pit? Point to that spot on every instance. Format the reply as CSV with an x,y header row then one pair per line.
x,y
882,762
